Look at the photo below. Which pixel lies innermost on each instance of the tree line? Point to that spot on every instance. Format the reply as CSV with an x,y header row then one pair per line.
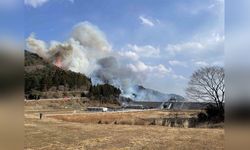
x,y
41,76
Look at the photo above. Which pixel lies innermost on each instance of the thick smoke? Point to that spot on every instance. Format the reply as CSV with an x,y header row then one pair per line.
x,y
112,72
91,37
37,46
80,53
88,52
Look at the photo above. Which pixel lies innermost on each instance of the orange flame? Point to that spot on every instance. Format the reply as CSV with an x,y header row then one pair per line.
x,y
58,62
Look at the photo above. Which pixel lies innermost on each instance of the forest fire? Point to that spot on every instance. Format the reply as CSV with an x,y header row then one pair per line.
x,y
58,61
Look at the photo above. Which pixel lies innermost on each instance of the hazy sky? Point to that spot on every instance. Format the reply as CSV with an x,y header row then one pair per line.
x,y
166,39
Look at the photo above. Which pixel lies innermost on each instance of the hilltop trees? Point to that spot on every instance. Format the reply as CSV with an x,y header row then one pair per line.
x,y
104,92
43,79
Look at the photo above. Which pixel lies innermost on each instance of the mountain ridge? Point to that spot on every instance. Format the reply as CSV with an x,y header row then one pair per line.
x,y
141,93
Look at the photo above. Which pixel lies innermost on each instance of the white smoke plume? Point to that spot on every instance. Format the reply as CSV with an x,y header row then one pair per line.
x,y
88,52
37,46
91,37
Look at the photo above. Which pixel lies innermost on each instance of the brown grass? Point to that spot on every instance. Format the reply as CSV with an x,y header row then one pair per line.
x,y
63,104
61,129
129,118
54,134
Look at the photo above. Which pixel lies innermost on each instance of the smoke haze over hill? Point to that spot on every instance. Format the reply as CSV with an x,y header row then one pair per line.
x,y
88,51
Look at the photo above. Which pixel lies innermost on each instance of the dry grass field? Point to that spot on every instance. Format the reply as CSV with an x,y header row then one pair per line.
x,y
149,117
63,130
62,103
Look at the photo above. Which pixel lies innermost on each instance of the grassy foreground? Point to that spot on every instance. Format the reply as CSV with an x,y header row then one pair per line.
x,y
50,133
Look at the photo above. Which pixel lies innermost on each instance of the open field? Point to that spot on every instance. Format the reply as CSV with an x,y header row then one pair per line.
x,y
62,104
128,117
62,129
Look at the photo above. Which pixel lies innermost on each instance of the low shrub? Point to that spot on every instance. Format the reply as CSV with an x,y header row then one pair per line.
x,y
202,117
212,114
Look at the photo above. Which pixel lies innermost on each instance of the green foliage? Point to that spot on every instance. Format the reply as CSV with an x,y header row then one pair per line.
x,y
104,90
46,76
44,79
41,76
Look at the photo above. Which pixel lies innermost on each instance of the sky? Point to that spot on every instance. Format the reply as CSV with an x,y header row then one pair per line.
x,y
165,39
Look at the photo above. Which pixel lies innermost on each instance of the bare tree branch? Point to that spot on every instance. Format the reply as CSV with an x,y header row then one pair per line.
x,y
207,84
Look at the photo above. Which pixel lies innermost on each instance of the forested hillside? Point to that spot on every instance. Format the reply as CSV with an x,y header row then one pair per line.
x,y
45,80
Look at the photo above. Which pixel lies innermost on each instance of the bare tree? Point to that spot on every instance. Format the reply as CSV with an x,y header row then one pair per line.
x,y
207,84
